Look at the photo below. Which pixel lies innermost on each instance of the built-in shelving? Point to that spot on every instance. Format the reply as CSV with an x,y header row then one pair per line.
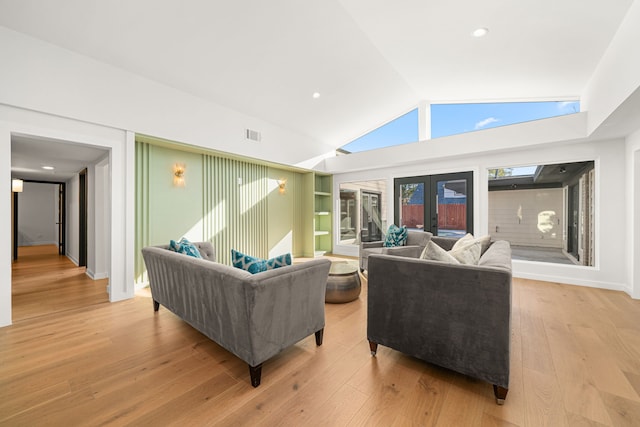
x,y
322,214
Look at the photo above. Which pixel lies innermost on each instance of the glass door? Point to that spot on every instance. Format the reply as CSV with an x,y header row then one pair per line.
x,y
574,216
441,204
452,205
348,216
371,222
410,203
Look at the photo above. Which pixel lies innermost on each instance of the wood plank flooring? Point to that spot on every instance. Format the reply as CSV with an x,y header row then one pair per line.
x,y
44,282
575,361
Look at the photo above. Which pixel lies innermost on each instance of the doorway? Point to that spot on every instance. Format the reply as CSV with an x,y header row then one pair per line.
x,y
82,218
441,204
370,227
573,204
61,218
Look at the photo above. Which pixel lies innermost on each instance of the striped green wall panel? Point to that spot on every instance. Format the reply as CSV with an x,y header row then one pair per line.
x,y
232,203
235,207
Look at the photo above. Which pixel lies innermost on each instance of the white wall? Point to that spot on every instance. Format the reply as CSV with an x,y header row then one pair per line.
x,y
38,214
516,215
632,223
617,75
5,227
98,227
610,269
121,195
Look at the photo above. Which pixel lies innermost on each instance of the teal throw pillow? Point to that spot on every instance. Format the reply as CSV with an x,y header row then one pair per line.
x,y
185,247
246,262
396,236
257,265
279,261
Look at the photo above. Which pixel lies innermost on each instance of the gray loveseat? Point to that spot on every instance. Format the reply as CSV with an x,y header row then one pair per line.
x,y
455,316
416,241
254,316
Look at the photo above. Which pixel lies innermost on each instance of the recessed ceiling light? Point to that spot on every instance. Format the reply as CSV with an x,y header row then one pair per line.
x,y
316,95
480,32
49,168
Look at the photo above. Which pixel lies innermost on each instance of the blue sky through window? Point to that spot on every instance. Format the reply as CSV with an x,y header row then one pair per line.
x,y
402,130
452,119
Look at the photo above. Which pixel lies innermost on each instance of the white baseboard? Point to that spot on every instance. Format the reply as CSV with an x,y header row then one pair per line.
x,y
97,276
577,282
73,260
37,243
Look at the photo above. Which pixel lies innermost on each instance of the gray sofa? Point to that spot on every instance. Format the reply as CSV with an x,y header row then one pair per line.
x,y
454,316
416,241
254,316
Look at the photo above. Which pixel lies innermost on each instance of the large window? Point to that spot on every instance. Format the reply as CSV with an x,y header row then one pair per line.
x,y
546,212
452,119
402,130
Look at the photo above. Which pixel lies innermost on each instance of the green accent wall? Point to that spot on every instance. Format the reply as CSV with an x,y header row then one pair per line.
x,y
235,204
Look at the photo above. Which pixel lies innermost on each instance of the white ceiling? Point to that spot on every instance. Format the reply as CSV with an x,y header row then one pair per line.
x,y
371,60
29,154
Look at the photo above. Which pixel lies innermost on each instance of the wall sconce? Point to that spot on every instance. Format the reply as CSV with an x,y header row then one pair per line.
x,y
16,185
178,175
281,185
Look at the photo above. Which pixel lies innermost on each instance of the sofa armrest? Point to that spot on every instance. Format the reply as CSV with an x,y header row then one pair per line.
x,y
375,244
404,251
206,249
285,305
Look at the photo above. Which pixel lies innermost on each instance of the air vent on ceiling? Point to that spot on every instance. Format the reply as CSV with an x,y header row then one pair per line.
x,y
253,135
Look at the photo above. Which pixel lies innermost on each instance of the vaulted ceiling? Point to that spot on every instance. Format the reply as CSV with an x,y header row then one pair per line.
x,y
370,60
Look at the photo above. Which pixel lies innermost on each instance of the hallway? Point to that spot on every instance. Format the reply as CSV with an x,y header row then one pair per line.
x,y
44,282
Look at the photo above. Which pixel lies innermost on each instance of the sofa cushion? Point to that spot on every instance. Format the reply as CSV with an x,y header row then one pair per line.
x,y
434,252
257,265
184,246
396,236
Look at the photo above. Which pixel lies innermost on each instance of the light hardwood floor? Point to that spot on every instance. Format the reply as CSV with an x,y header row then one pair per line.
x,y
575,361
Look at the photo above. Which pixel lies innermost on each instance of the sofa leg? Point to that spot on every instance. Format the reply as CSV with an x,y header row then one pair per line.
x,y
500,393
373,347
156,305
256,373
319,336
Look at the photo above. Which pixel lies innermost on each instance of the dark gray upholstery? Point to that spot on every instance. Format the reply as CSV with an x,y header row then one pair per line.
x,y
254,316
455,316
413,247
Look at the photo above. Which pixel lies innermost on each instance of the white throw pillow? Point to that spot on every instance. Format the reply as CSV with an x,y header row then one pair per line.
x,y
435,253
467,253
467,240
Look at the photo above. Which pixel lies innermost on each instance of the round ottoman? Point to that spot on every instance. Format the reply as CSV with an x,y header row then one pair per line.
x,y
343,283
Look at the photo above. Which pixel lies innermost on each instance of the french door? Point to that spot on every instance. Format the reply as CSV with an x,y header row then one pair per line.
x,y
441,204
